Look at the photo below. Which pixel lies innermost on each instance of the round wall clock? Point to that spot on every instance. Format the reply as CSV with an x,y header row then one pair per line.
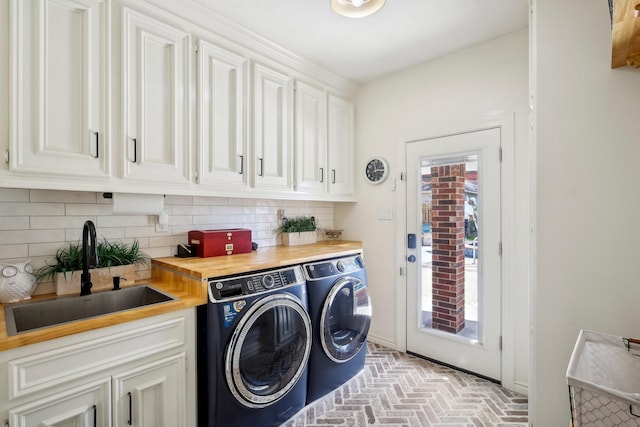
x,y
376,170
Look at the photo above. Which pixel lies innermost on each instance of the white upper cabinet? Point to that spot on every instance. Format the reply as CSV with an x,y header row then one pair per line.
x,y
311,139
156,64
57,87
272,110
221,93
324,142
341,157
147,96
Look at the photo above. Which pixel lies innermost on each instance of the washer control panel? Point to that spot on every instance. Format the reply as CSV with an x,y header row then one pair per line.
x,y
254,283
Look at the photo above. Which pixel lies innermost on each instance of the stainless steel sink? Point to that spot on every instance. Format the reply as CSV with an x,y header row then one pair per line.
x,y
28,316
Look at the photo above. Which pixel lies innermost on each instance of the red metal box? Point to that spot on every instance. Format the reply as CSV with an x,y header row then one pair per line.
x,y
230,241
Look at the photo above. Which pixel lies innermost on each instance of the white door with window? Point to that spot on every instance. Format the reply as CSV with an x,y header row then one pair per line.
x,y
453,259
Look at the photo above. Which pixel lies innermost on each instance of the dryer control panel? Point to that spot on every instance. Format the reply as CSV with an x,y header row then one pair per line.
x,y
254,283
333,267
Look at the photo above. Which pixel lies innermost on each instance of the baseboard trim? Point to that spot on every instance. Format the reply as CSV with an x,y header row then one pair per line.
x,y
382,341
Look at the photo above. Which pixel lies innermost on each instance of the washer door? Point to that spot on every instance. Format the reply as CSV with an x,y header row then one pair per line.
x,y
345,319
268,351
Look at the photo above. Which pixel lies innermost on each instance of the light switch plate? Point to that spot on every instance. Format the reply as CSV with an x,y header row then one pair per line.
x,y
385,213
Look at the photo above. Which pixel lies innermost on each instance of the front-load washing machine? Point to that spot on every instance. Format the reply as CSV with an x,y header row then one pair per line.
x,y
254,342
340,310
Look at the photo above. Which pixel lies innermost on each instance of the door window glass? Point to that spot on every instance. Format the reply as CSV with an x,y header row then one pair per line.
x,y
450,240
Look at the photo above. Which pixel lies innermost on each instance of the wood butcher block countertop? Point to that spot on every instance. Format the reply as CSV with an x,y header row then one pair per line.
x,y
263,258
186,282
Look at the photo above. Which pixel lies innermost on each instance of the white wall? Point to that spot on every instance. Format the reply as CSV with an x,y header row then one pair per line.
x,y
445,95
587,202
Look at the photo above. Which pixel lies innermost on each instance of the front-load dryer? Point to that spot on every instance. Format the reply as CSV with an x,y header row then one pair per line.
x,y
254,342
340,310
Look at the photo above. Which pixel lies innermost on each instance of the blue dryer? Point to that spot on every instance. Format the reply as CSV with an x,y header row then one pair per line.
x,y
340,310
254,342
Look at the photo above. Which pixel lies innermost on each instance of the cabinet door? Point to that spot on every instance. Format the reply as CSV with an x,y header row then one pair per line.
x,y
221,114
57,100
152,395
311,139
155,85
340,146
271,128
88,406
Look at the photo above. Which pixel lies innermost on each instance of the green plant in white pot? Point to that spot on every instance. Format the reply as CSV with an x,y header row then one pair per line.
x,y
114,259
298,231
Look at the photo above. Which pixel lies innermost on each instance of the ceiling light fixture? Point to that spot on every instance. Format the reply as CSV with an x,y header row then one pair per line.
x,y
356,8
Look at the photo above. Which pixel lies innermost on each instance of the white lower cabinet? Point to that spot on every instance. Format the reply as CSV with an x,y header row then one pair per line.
x,y
151,395
141,374
88,406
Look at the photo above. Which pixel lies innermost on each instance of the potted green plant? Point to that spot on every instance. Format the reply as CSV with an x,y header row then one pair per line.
x,y
114,259
298,231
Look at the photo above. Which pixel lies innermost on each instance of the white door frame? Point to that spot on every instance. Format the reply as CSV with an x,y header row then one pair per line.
x,y
504,121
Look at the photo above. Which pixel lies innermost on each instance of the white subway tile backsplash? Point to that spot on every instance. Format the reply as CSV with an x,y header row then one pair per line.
x,y
134,232
159,252
178,200
49,222
191,210
14,223
34,224
62,196
11,237
170,241
180,220
210,201
84,209
210,219
125,221
231,210
13,252
45,249
14,195
31,209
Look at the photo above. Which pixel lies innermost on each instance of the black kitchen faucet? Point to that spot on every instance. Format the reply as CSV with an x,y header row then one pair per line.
x,y
89,256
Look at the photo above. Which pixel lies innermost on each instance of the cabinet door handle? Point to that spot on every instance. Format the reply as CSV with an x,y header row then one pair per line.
x,y
95,416
333,176
321,174
96,140
135,149
241,164
260,171
129,421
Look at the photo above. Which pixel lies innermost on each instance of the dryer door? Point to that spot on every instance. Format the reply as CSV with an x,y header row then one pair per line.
x,y
345,319
268,351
